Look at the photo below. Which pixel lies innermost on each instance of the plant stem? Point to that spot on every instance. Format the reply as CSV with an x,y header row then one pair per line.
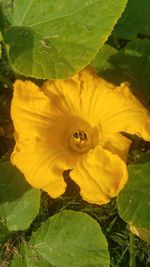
x,y
132,250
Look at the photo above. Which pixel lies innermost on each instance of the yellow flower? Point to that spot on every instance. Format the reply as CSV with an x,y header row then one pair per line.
x,y
76,124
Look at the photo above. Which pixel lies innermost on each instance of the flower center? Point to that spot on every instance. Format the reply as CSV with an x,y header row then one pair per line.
x,y
80,141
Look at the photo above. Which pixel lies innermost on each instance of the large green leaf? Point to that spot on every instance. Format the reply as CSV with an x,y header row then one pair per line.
x,y
28,257
19,203
19,261
130,64
54,39
135,19
134,199
67,239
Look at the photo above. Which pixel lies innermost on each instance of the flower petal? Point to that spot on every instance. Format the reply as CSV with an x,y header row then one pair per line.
x,y
117,144
124,113
100,175
31,111
97,101
80,96
42,165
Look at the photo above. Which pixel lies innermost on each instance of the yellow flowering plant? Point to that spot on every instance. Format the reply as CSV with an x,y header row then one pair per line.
x,y
76,125
74,133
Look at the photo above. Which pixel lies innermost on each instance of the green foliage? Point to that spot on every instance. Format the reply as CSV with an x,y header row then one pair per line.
x,y
144,158
130,64
56,39
133,200
135,20
3,232
0,45
19,203
67,239
7,7
102,62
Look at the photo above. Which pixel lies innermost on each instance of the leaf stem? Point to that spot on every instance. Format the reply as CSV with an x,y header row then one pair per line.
x,y
132,250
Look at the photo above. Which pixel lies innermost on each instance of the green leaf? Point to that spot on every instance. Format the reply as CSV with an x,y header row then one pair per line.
x,y
6,8
102,61
144,158
134,199
130,64
19,203
55,39
3,232
67,239
135,20
28,257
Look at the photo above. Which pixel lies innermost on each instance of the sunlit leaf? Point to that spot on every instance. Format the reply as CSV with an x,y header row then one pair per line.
x,y
141,233
67,239
28,257
19,203
55,39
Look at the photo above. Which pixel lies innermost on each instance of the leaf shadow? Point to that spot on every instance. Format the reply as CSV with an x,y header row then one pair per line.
x,y
131,68
12,183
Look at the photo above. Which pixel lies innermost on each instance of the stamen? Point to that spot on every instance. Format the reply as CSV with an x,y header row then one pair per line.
x,y
80,141
80,136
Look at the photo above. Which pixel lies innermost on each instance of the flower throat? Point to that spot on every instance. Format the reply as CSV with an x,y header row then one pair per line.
x,y
80,141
